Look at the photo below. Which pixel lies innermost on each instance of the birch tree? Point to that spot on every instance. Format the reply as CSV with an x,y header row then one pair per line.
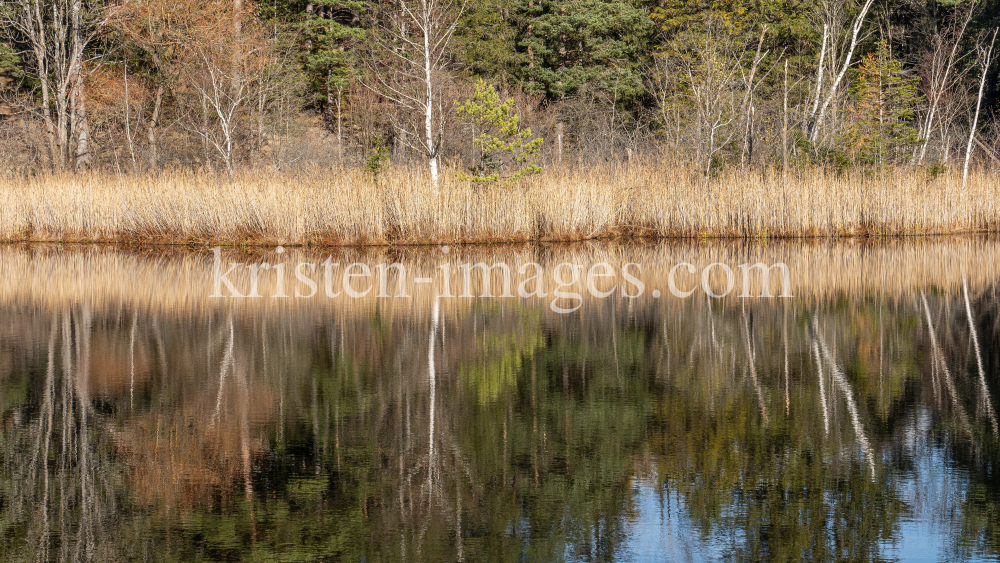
x,y
703,80
941,76
57,33
985,59
217,62
838,64
407,66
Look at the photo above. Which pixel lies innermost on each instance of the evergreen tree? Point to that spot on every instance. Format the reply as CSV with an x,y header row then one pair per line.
x,y
329,29
485,40
883,111
326,32
508,151
572,43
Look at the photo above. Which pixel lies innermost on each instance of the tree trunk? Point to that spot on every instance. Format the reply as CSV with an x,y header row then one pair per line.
x,y
819,78
154,122
559,139
429,108
784,128
979,102
80,124
78,92
747,109
939,78
416,39
340,124
57,32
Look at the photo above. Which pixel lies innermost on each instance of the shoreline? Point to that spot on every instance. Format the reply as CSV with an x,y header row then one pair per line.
x,y
141,243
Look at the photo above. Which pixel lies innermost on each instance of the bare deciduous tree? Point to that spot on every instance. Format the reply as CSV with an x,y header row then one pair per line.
x,y
703,83
940,75
223,85
407,66
156,29
57,33
985,58
838,65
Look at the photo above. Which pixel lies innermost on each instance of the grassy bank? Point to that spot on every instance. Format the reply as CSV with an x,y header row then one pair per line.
x,y
347,207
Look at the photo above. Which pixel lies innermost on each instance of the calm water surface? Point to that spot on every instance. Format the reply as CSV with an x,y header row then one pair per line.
x,y
144,420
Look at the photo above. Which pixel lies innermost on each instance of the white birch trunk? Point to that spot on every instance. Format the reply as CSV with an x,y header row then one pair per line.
x,y
429,103
413,42
979,103
939,83
858,24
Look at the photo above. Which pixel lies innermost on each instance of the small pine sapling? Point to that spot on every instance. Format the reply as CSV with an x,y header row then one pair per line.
x,y
507,151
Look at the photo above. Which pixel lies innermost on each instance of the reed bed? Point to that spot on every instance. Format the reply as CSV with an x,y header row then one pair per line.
x,y
346,207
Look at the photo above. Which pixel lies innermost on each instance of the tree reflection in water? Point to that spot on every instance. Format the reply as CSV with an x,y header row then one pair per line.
x,y
838,426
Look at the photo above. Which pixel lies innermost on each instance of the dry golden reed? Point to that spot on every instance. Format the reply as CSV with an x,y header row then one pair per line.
x,y
345,206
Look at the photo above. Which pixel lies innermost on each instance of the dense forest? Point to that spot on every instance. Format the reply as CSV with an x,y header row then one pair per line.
x,y
496,86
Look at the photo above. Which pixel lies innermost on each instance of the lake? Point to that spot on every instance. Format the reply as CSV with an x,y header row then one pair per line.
x,y
622,402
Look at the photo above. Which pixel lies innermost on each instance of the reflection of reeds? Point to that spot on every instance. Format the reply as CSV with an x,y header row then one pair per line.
x,y
343,206
183,281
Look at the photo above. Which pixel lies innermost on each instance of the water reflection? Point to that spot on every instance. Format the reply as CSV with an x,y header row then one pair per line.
x,y
143,421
